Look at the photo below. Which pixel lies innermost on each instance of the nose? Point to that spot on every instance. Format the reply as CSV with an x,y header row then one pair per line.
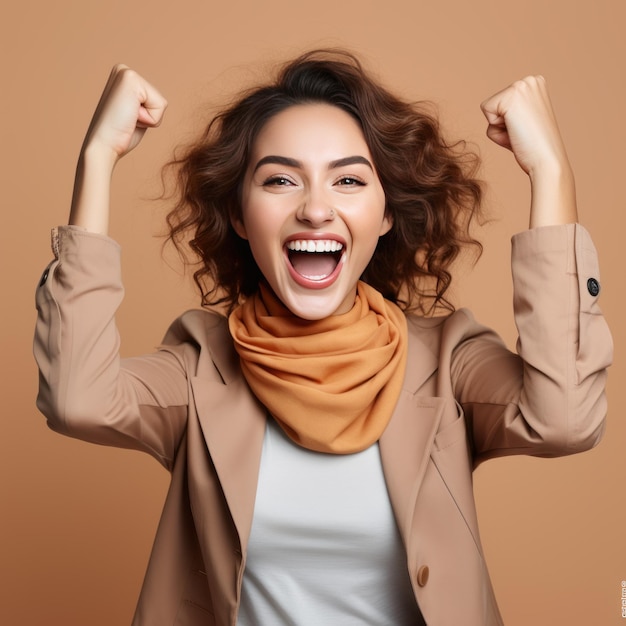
x,y
315,210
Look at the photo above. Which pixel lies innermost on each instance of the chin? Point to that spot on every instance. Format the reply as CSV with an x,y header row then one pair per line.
x,y
312,313
313,307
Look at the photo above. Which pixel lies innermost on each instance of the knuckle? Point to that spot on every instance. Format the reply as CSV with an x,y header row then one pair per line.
x,y
521,84
119,68
126,74
528,84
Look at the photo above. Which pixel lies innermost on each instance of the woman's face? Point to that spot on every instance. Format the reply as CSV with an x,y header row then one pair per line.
x,y
313,208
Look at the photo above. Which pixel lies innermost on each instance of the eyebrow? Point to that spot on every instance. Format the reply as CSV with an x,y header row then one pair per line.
x,y
289,162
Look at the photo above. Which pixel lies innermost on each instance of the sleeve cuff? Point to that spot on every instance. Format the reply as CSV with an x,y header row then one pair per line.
x,y
565,248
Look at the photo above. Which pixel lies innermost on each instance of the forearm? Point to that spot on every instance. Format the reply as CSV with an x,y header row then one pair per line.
x,y
129,105
85,390
92,191
521,119
553,195
550,400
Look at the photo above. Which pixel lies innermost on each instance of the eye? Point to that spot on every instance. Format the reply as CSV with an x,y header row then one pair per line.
x,y
350,181
277,181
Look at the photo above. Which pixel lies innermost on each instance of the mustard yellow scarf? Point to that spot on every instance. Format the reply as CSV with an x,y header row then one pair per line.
x,y
331,384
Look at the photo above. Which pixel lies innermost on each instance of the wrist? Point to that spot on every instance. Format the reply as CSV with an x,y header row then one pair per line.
x,y
553,196
90,200
97,158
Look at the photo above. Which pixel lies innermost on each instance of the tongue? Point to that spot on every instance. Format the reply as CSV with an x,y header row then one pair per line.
x,y
313,265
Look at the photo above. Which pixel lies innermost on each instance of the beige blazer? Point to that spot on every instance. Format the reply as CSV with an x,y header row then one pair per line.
x,y
466,398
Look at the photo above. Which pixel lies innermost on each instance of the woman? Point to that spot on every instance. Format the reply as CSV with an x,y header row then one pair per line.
x,y
321,439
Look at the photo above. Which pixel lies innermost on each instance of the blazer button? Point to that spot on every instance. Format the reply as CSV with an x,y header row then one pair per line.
x,y
593,287
44,277
422,575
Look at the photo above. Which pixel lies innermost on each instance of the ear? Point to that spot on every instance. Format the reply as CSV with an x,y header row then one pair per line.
x,y
386,225
239,227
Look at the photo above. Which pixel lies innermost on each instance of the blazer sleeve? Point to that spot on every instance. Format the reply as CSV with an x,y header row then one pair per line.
x,y
85,389
549,398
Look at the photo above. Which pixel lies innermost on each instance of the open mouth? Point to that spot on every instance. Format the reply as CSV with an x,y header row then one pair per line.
x,y
314,262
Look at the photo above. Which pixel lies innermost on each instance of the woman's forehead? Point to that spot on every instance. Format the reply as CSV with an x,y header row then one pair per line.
x,y
316,131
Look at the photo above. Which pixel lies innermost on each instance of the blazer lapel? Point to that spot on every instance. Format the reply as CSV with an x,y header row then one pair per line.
x,y
233,424
406,443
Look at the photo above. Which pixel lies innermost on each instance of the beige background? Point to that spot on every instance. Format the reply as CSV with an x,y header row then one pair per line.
x,y
77,521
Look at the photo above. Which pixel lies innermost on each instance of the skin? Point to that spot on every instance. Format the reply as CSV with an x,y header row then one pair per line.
x,y
129,105
311,178
520,118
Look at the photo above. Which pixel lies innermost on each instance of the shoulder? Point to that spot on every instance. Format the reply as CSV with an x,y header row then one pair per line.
x,y
446,331
204,337
434,344
198,327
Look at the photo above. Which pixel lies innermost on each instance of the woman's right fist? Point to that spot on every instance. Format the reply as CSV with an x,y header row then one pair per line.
x,y
128,106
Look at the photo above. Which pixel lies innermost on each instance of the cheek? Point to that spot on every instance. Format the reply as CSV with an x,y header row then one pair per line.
x,y
263,216
380,222
248,222
260,234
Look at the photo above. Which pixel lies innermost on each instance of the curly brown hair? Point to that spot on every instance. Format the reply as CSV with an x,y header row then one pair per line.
x,y
430,190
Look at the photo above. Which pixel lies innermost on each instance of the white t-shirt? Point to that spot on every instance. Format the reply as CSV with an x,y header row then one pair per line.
x,y
324,546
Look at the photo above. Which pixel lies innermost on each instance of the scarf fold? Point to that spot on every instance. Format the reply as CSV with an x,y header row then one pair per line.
x,y
331,384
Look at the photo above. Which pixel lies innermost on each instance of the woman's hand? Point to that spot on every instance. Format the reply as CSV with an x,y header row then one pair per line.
x,y
129,105
521,119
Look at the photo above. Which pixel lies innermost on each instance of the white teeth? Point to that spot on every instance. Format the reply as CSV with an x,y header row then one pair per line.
x,y
314,245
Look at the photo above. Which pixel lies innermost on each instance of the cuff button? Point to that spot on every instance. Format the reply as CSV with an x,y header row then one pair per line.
x,y
593,287
44,277
422,575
